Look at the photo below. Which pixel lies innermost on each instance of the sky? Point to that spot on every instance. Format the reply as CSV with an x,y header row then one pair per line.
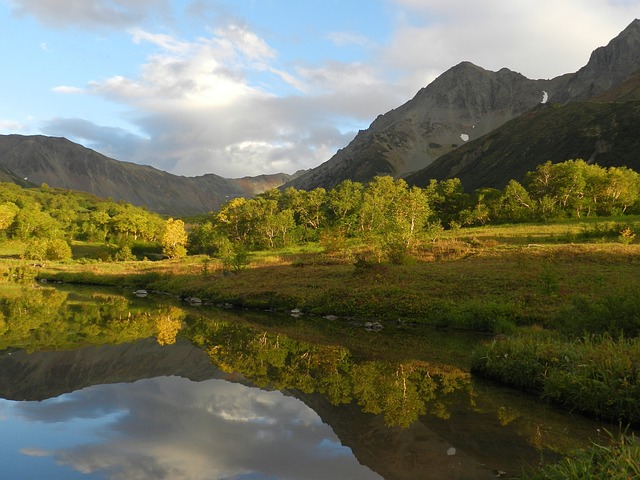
x,y
172,428
249,87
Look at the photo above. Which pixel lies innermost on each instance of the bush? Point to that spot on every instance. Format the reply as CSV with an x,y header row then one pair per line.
x,y
124,254
58,249
52,249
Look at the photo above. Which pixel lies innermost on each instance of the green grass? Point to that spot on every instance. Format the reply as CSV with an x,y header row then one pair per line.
x,y
595,375
615,459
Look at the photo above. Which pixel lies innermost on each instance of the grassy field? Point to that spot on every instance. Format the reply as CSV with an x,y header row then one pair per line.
x,y
489,279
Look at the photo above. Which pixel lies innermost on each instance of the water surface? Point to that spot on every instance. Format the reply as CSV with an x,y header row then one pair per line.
x,y
99,384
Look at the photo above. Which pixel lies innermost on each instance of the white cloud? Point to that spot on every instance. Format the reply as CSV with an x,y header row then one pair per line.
x,y
89,14
35,452
209,105
531,37
67,89
11,125
342,39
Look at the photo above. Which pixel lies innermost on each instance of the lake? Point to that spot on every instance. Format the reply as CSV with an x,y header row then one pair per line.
x,y
100,384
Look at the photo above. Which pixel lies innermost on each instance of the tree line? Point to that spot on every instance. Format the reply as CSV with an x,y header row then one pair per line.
x,y
49,219
386,213
390,213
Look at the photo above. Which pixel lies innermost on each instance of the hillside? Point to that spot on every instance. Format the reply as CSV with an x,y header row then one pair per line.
x,y
467,102
462,104
602,133
61,163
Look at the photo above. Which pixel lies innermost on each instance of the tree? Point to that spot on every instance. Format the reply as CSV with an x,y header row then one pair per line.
x,y
8,212
309,207
174,239
235,220
31,221
345,202
515,205
447,200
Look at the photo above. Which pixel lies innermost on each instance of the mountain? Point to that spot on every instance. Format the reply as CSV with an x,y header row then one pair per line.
x,y
602,133
463,104
607,67
61,163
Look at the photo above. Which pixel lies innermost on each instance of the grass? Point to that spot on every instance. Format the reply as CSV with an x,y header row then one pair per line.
x,y
595,375
615,459
475,285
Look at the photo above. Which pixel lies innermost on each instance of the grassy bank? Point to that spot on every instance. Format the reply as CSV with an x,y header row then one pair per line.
x,y
597,375
474,285
615,459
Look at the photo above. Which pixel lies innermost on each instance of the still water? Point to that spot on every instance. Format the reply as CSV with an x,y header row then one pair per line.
x,y
100,384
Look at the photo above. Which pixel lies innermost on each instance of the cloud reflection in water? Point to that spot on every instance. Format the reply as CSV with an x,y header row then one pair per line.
x,y
173,428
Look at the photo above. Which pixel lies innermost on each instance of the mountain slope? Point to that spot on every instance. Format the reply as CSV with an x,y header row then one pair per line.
x,y
61,163
607,67
602,133
463,104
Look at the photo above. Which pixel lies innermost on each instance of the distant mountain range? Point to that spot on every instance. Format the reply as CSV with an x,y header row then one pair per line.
x,y
481,126
61,163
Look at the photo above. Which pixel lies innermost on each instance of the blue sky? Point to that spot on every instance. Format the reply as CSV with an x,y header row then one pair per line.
x,y
262,86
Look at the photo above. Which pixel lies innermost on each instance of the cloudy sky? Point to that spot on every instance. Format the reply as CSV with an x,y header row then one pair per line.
x,y
243,87
172,428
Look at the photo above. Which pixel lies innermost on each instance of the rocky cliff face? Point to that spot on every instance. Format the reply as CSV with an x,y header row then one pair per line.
x,y
607,67
61,163
463,104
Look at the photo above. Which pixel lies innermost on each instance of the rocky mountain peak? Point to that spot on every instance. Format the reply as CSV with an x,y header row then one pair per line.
x,y
463,103
607,66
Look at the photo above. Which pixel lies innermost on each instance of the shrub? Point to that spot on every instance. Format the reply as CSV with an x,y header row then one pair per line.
x,y
52,249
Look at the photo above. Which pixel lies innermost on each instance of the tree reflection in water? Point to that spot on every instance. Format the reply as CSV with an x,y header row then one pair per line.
x,y
401,391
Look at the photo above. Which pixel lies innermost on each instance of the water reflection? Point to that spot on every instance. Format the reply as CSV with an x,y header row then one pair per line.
x,y
191,409
173,428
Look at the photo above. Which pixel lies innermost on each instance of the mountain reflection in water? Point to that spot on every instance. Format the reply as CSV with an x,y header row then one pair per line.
x,y
173,428
103,385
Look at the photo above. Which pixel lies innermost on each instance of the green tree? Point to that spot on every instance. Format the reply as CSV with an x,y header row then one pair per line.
x,y
345,202
31,221
447,199
516,204
309,208
234,218
174,240
8,211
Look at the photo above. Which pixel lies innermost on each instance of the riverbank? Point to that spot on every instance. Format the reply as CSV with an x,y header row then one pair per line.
x,y
471,286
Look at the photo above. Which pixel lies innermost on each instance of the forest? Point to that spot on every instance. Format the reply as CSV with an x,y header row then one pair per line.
x,y
390,217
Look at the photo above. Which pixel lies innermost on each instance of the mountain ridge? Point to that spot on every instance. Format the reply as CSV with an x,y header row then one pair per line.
x,y
61,163
463,104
